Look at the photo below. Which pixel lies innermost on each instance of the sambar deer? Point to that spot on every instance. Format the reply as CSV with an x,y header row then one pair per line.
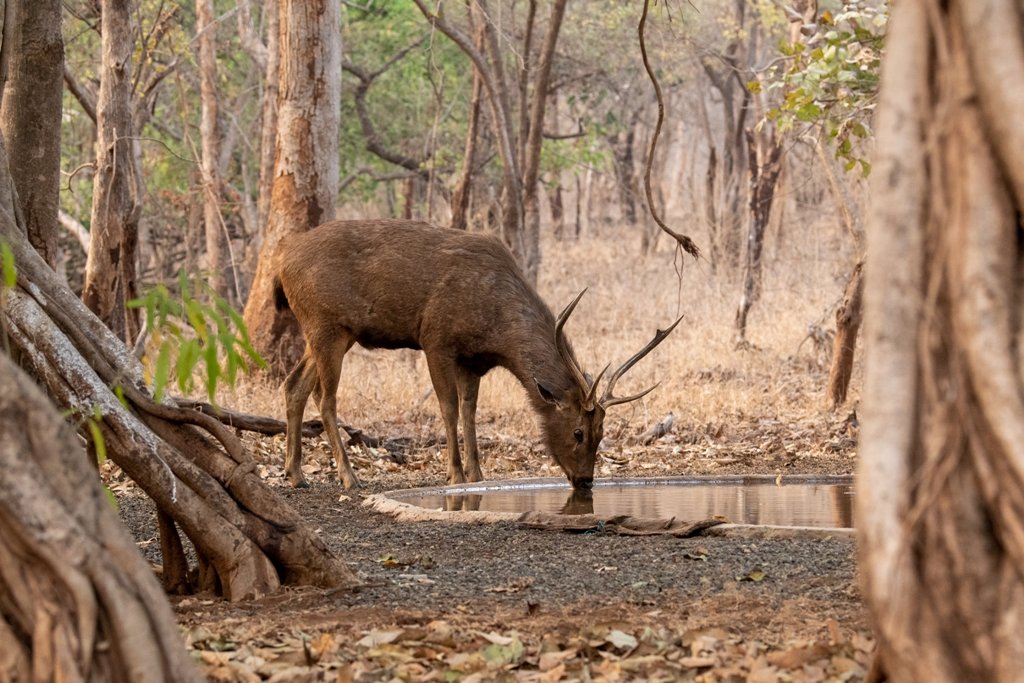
x,y
461,298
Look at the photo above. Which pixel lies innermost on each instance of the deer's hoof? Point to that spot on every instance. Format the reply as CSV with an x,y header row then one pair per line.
x,y
299,483
351,482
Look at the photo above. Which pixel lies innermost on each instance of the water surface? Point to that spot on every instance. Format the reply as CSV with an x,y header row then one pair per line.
x,y
821,502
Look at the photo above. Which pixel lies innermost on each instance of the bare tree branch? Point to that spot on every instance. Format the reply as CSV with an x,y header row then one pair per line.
x,y
85,96
373,142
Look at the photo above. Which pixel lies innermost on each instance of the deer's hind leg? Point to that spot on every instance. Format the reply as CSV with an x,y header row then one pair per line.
x,y
469,388
300,382
328,357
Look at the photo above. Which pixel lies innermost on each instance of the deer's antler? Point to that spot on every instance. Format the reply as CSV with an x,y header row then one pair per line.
x,y
566,353
607,400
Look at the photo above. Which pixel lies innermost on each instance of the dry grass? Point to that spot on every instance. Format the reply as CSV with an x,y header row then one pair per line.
x,y
707,382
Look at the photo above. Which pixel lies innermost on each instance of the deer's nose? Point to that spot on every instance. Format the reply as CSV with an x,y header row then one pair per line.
x,y
583,482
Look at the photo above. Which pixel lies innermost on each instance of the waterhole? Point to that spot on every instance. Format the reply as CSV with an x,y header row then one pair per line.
x,y
794,501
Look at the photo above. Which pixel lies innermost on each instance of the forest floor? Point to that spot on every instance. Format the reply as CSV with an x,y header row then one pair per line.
x,y
446,601
464,602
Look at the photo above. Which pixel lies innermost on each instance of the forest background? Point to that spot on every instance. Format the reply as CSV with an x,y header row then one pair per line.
x,y
743,111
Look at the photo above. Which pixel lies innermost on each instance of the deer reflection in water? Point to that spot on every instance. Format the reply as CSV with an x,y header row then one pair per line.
x,y
578,502
462,502
759,501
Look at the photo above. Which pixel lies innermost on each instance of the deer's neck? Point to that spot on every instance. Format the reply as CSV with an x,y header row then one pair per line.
x,y
536,359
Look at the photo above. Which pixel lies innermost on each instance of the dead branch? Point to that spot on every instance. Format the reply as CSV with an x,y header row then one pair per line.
x,y
269,426
660,429
683,242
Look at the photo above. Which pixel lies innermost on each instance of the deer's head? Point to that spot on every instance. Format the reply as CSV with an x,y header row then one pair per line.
x,y
575,425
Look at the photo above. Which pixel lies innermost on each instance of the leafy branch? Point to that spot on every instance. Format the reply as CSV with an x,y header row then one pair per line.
x,y
187,333
830,80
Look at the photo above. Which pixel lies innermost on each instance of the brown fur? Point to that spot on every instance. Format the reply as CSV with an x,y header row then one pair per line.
x,y
461,298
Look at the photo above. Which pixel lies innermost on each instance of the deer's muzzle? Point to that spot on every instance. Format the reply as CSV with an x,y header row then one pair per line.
x,y
582,482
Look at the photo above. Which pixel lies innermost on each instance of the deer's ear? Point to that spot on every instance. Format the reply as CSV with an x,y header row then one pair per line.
x,y
548,395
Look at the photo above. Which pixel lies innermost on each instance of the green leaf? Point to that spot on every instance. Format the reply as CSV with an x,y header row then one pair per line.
x,y
194,313
232,363
755,575
98,443
162,372
110,496
188,357
253,355
212,371
504,654
10,273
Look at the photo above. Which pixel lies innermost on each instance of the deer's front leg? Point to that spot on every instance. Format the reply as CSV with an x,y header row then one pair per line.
x,y
443,376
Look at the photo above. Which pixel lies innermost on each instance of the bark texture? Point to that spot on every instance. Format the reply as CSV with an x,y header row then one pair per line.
x,y
304,186
464,185
849,316
77,601
941,524
110,268
195,469
533,136
30,115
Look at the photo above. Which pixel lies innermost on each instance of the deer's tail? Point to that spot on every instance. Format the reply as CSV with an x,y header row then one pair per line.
x,y
280,299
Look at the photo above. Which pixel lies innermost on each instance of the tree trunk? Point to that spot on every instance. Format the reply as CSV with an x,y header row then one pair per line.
x,y
941,473
710,212
489,62
305,182
269,59
117,198
219,264
77,601
725,76
534,138
765,164
525,67
464,185
31,115
557,204
499,97
623,152
196,471
848,319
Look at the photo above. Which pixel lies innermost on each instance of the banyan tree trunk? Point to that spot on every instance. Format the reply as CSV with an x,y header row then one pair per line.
x,y
77,601
196,470
941,477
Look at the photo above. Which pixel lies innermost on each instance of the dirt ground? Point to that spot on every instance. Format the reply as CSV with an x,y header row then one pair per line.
x,y
502,602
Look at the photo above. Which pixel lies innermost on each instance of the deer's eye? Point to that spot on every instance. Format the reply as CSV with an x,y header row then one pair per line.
x,y
579,435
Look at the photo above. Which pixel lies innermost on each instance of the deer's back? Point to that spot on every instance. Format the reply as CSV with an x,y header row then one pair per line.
x,y
395,283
